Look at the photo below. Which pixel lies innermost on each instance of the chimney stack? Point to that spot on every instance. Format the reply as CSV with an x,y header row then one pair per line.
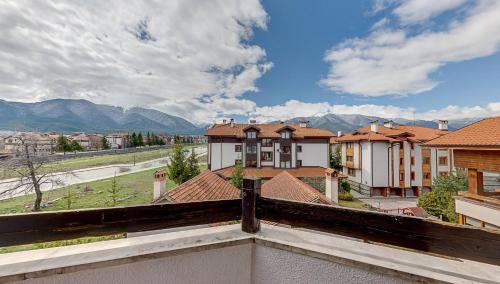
x,y
374,126
159,184
339,133
443,125
224,121
332,185
231,121
253,121
389,123
304,124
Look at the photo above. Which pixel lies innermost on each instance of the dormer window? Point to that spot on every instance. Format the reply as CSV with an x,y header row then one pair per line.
x,y
251,135
285,134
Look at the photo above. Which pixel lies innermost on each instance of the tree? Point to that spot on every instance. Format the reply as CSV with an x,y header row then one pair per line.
x,y
133,140
105,143
176,170
140,140
237,175
439,202
192,168
69,199
149,141
63,144
31,169
113,191
75,146
336,158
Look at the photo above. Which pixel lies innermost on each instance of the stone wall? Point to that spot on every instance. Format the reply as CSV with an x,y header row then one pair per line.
x,y
316,182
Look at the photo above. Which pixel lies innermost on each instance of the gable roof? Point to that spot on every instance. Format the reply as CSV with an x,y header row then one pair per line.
x,y
485,132
205,186
270,172
394,134
286,186
266,131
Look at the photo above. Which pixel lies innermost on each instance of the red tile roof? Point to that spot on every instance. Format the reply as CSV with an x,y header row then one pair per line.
x,y
286,186
269,172
394,134
205,186
483,133
267,131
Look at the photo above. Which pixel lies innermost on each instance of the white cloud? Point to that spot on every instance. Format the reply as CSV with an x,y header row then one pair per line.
x,y
151,54
294,108
391,62
417,11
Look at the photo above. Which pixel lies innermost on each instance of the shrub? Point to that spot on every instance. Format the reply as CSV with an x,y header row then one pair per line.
x,y
345,186
346,196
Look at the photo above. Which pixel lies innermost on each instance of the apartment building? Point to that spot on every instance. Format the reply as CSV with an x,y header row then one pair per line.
x,y
44,144
118,140
280,146
476,149
388,160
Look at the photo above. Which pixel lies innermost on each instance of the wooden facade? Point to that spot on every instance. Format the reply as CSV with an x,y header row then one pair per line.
x,y
482,160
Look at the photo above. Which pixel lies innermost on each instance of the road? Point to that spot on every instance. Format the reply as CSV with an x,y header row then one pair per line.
x,y
89,174
386,203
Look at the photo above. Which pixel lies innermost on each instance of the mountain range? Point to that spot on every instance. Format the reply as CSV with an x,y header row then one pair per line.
x,y
67,115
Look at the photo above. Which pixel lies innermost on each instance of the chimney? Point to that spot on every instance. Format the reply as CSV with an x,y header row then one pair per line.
x,y
231,121
374,126
224,121
304,124
339,133
159,184
443,125
332,185
389,123
253,121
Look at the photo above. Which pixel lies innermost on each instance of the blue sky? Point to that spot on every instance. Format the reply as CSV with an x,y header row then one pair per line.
x,y
269,60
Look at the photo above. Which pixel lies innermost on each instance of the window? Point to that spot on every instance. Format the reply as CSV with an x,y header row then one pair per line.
x,y
237,148
285,134
443,161
251,135
351,172
285,149
285,164
349,158
401,161
412,175
299,148
266,142
350,145
412,160
427,175
401,176
412,146
266,156
426,160
251,149
299,163
251,164
443,174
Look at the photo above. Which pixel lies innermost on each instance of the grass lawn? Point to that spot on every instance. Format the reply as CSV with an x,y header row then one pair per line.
x,y
87,162
135,189
356,203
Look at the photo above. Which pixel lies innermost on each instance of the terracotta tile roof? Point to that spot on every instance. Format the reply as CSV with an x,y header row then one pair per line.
x,y
286,186
485,132
205,186
269,172
267,131
394,134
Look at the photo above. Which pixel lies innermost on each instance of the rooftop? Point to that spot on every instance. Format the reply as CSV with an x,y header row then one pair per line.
x,y
270,172
485,132
394,134
267,131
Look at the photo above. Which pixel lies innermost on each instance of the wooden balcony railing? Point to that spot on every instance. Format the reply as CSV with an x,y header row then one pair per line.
x,y
402,231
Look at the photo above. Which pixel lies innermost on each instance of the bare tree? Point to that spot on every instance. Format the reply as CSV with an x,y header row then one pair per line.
x,y
31,169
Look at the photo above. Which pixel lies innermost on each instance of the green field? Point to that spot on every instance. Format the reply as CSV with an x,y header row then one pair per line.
x,y
356,203
87,162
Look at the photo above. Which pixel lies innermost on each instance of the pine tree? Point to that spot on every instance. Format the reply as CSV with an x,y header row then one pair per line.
x,y
113,191
176,170
105,143
192,166
133,140
237,175
140,140
148,139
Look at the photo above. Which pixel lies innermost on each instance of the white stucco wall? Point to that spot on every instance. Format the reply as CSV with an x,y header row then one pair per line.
x,y
380,164
294,156
478,211
356,157
343,148
223,155
417,168
407,162
395,152
314,154
366,177
276,155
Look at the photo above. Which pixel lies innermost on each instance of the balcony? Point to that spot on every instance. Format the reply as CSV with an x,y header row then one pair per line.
x,y
313,244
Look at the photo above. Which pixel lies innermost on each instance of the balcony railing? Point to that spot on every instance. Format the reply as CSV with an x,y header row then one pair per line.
x,y
402,231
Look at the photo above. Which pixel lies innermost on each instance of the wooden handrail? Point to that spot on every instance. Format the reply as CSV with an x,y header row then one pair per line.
x,y
404,231
18,229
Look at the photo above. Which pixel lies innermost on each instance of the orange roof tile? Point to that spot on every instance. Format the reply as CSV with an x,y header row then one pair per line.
x,y
485,132
267,131
394,134
269,172
286,186
205,186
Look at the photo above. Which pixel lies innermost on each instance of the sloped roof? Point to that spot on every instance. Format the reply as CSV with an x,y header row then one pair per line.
x,y
485,132
205,186
267,131
394,134
286,186
270,172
